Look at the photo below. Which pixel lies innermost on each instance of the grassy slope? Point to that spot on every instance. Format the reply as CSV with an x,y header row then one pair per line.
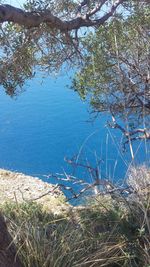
x,y
109,231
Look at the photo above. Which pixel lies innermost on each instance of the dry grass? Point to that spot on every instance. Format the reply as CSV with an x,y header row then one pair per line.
x,y
107,232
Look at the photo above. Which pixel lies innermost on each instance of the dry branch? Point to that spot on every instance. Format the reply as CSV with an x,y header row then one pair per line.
x,y
137,134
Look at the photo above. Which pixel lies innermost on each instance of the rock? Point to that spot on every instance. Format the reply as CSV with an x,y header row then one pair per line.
x,y
18,187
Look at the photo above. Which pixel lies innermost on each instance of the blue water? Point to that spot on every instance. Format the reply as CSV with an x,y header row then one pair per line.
x,y
48,122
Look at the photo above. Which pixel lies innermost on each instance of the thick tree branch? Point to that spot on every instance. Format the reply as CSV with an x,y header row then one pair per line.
x,y
28,19
9,13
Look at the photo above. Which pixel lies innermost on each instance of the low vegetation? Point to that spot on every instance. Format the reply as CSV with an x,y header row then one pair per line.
x,y
111,230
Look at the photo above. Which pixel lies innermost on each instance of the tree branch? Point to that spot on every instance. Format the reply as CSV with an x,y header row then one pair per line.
x,y
10,13
101,20
82,4
96,9
137,134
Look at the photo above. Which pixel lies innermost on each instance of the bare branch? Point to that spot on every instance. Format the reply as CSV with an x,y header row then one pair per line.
x,y
145,136
96,9
82,4
102,20
131,135
118,126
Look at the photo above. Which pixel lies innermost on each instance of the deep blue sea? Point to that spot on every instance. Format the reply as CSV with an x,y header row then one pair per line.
x,y
48,122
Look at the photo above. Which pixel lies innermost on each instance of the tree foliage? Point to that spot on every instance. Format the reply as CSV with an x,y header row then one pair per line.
x,y
114,55
47,34
115,76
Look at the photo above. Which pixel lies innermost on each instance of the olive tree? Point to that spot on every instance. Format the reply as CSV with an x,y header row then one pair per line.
x,y
115,76
46,34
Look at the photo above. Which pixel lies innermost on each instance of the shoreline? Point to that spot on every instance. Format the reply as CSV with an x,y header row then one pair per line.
x,y
18,187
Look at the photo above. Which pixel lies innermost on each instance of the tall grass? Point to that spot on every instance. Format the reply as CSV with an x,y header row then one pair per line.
x,y
109,231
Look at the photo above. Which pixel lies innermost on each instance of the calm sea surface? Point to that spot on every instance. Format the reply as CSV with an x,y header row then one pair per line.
x,y
47,123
